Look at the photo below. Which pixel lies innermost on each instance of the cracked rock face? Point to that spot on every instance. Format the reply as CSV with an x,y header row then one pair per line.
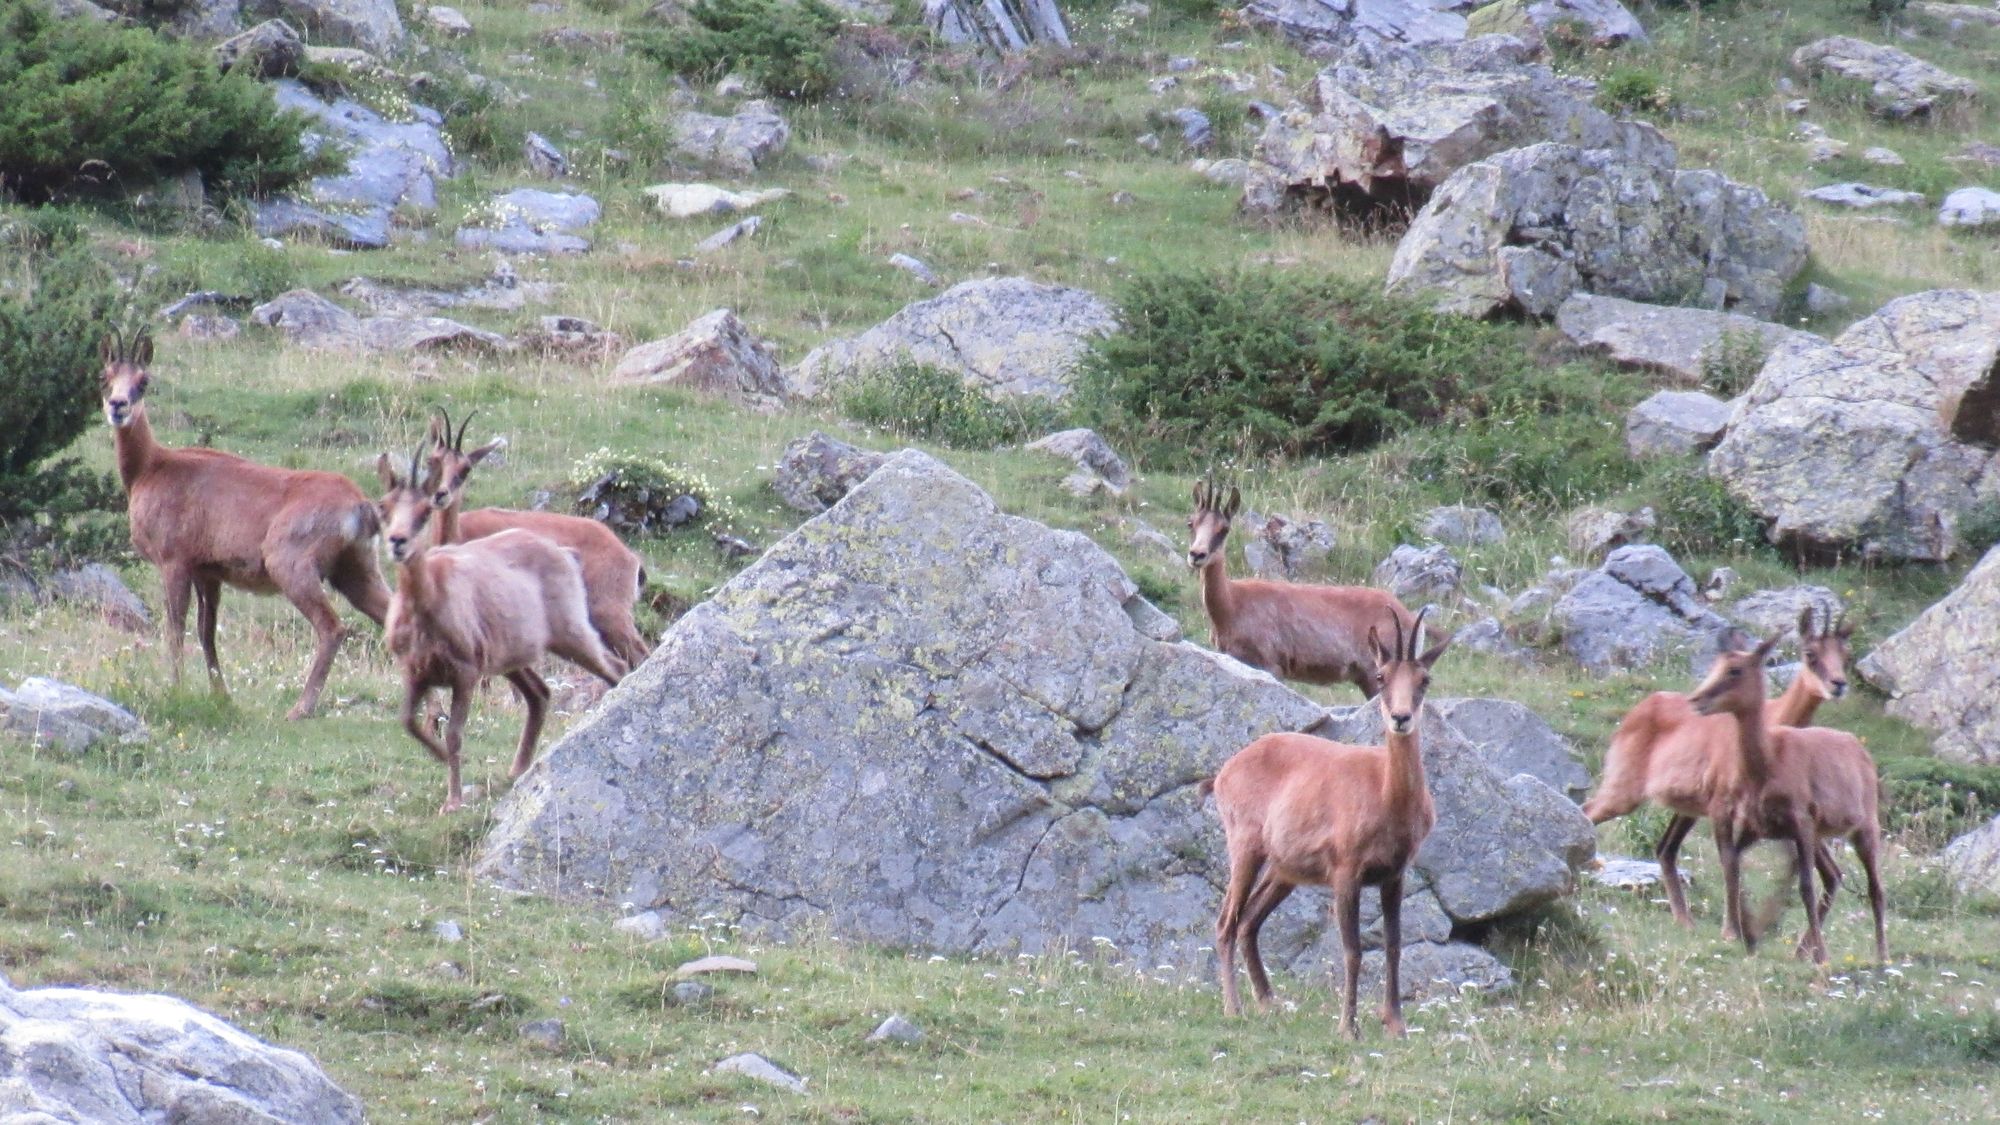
x,y
1323,27
1637,608
921,722
1942,672
1007,336
1878,441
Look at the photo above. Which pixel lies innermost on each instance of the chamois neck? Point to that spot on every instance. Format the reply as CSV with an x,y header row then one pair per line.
x,y
1796,706
1752,742
1216,596
135,445
1403,781
447,526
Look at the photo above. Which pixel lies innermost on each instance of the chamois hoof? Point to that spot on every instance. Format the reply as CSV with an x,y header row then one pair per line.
x,y
298,711
450,806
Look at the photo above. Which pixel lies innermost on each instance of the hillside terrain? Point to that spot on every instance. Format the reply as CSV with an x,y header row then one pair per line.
x,y
294,878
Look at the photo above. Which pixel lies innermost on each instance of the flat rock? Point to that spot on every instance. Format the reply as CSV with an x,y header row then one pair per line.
x,y
687,201
763,1070
816,471
1675,424
82,1055
1673,339
53,714
1942,671
310,320
716,354
1861,196
1639,608
1900,410
717,963
1626,874
757,767
532,221
1970,207
1899,83
1007,336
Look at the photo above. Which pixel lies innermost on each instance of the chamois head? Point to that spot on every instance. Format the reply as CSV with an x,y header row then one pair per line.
x,y
450,464
1735,684
1209,525
405,506
124,376
1405,674
1824,655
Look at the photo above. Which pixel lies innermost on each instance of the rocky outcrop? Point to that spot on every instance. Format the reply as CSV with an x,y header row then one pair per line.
x,y
1637,609
390,165
1878,441
816,471
65,718
371,25
1675,424
1673,339
1512,739
1325,27
716,354
1006,336
1278,546
81,1055
272,49
1525,229
1973,860
1942,672
1387,127
997,27
531,221
1605,23
1098,466
1899,83
920,722
739,143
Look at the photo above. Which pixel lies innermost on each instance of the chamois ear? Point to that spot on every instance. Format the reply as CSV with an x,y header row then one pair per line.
x,y
1763,651
109,349
1382,656
1201,496
440,431
142,350
484,451
1235,502
1842,629
1431,654
1806,623
386,469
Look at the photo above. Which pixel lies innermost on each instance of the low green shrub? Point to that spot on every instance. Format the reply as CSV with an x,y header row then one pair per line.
x,y
1935,799
1697,514
1731,364
90,109
639,495
1633,89
932,404
781,45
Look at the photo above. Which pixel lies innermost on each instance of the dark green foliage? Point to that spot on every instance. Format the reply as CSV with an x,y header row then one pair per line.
x,y
1698,516
779,44
90,109
1731,364
1887,9
1940,799
930,403
1632,89
1979,527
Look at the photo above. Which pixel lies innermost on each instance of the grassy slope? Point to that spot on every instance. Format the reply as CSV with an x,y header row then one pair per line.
x,y
287,875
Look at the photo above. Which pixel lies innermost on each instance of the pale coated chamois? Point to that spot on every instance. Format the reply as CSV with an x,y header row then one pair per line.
x,y
492,607
1313,634
1300,810
613,575
207,519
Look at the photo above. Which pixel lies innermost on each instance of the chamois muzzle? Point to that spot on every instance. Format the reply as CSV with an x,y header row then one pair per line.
x,y
1839,688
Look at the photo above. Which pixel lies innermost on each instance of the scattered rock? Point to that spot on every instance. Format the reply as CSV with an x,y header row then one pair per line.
x,y
1196,132
1229,172
1489,636
1526,228
1606,22
547,1034
82,1055
1625,874
531,221
1324,27
1007,664
1980,152
1098,466
1007,336
1675,424
717,963
647,925
916,268
504,289
544,157
740,229
687,201
311,321
98,586
210,328
1595,532
449,931
1900,84
816,471
1957,15
1970,207
1420,574
716,354
688,993
1862,196
390,165
1885,157
1280,547
1878,441
271,49
996,26
763,1070
68,719
1973,860
578,40
283,218
448,22
1462,526
896,1029
1822,301
738,143
1635,610
371,25
1942,671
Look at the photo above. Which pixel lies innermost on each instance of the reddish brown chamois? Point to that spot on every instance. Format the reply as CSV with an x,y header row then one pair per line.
x,y
1764,790
1665,753
1300,810
1313,634
207,519
492,607
613,575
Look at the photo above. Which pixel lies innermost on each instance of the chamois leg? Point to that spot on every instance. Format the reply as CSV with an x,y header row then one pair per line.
x,y
534,693
358,579
1668,852
1347,915
1868,846
1270,892
177,583
302,588
208,600
454,739
620,633
1392,956
1830,878
413,722
1804,844
1730,852
1243,868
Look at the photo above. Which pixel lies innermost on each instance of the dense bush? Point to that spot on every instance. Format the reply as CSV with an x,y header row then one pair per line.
x,y
779,44
930,403
90,108
1698,516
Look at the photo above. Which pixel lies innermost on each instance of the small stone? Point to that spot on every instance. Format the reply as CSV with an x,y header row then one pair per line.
x,y
448,21
732,86
1162,84
649,925
1886,157
1822,301
763,1070
1417,574
1150,142
450,970
1720,582
1123,199
743,228
449,931
718,963
544,157
896,1029
1196,131
1797,106
916,268
547,1034
688,993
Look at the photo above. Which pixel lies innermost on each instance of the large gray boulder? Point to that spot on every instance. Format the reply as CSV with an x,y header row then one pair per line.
x,y
57,715
1637,609
816,471
531,221
1325,27
1606,23
1899,83
716,354
920,722
1387,126
1878,441
1513,739
106,1058
1973,860
1687,342
371,25
739,143
1007,336
1525,229
390,165
1942,671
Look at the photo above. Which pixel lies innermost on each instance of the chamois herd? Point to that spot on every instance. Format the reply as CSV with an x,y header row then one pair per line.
x,y
493,592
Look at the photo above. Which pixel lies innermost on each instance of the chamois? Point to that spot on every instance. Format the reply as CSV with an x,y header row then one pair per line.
x,y
207,519
1313,634
492,607
1298,809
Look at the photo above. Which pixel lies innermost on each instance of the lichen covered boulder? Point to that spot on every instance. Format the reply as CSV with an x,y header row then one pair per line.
x,y
1942,672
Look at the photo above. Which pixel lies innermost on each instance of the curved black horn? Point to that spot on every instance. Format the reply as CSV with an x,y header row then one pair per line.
x,y
415,460
441,412
119,348
458,443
